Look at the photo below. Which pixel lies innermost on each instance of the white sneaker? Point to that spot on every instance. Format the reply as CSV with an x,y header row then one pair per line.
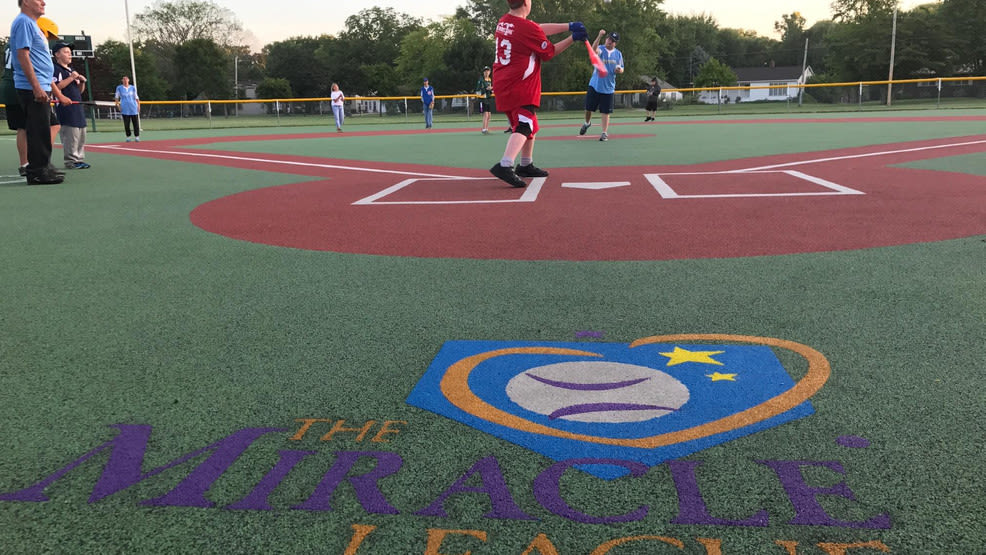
x,y
137,139
128,139
603,137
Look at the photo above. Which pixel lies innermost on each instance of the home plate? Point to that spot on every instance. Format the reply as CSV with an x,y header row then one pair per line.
x,y
597,185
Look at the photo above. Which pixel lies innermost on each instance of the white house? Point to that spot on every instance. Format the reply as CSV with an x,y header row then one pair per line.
x,y
770,84
782,80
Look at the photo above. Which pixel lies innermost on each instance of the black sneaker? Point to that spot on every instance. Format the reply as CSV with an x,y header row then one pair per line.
x,y
22,170
45,178
530,170
585,127
507,175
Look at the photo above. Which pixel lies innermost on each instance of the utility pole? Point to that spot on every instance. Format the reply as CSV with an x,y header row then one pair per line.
x,y
893,47
804,66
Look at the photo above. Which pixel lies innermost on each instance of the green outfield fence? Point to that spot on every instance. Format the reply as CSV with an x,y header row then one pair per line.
x,y
944,92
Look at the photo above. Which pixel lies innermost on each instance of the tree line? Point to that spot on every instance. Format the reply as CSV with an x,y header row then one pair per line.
x,y
190,49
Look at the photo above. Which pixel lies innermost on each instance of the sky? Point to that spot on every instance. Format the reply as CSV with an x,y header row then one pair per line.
x,y
268,22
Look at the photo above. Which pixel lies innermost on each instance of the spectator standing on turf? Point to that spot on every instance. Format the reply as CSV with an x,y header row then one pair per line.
x,y
32,70
653,94
521,46
338,106
484,91
601,89
428,101
128,103
71,115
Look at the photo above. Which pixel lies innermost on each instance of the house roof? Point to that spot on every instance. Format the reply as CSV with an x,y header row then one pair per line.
x,y
660,82
756,74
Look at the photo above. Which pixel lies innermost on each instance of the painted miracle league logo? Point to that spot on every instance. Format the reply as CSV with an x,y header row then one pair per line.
x,y
607,409
648,402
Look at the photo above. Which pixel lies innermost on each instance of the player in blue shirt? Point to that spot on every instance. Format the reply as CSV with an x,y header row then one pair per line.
x,y
428,101
602,89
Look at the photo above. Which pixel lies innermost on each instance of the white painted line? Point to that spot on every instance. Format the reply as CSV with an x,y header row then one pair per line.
x,y
531,193
852,156
666,191
280,162
597,186
661,186
388,191
825,183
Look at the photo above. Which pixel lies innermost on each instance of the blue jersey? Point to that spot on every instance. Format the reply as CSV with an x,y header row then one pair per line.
x,y
427,95
612,60
25,33
128,99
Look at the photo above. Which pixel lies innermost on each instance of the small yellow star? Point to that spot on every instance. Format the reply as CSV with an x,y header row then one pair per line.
x,y
717,377
680,355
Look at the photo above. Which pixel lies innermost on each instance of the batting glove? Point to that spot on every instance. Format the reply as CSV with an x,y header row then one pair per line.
x,y
578,30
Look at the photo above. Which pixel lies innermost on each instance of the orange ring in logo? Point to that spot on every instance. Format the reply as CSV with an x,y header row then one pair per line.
x,y
455,387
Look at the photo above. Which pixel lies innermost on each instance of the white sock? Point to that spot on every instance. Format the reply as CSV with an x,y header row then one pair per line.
x,y
507,162
526,161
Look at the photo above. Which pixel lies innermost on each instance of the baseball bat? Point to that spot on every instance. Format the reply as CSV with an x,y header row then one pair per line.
x,y
596,62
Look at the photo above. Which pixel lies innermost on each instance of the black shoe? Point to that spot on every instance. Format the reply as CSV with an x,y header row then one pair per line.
x,y
508,175
22,170
508,130
530,170
585,127
45,178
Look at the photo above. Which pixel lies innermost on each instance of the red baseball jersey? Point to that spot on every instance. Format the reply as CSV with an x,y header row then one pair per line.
x,y
521,46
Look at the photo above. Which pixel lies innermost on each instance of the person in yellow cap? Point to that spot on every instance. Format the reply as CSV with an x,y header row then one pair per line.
x,y
33,71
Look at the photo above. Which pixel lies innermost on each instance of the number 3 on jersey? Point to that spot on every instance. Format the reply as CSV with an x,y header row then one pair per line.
x,y
503,48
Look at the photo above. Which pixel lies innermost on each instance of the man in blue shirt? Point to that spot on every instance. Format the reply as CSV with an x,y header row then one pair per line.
x,y
33,70
601,89
428,101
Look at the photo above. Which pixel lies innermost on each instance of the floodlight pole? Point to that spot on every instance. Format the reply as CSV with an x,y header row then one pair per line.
x,y
893,47
130,42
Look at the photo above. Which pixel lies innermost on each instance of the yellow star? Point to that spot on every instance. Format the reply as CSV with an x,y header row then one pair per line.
x,y
680,355
717,377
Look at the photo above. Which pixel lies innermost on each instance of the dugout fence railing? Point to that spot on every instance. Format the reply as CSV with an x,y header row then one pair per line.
x,y
931,93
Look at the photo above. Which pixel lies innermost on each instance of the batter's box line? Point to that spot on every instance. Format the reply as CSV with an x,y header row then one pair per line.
x,y
531,193
834,189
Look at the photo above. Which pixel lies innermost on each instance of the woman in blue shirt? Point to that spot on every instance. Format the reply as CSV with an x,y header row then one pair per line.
x,y
128,103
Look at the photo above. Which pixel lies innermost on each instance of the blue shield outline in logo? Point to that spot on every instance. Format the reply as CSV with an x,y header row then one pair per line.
x,y
648,401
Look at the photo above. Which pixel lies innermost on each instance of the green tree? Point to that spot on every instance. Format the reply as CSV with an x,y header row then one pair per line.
x,y
927,45
450,53
112,61
715,74
309,64
178,21
274,87
371,37
965,20
206,71
791,28
689,39
860,42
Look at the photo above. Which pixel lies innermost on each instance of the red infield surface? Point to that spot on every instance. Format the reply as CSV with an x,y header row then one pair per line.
x,y
837,200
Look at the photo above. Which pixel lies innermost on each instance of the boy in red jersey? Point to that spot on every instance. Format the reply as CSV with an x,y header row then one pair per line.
x,y
521,46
